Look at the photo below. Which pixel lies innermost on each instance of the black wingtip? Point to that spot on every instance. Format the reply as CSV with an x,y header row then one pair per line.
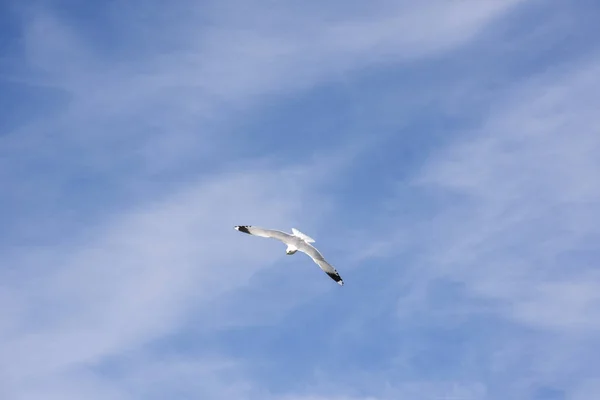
x,y
242,228
336,278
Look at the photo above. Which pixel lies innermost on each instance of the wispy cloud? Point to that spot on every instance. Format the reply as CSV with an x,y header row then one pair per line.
x,y
130,283
124,278
512,230
526,180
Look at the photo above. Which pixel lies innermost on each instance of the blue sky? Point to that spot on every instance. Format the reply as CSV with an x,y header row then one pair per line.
x,y
443,154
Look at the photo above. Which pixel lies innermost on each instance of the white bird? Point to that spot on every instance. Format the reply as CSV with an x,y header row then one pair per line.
x,y
296,241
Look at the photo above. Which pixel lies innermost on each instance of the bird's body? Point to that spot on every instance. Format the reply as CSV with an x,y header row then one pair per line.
x,y
296,241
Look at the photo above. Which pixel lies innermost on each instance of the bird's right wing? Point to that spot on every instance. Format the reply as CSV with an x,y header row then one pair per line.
x,y
268,233
318,258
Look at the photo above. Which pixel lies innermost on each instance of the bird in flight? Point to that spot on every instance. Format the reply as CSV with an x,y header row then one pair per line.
x,y
295,241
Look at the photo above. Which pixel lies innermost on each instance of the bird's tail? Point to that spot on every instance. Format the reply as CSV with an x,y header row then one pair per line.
x,y
302,236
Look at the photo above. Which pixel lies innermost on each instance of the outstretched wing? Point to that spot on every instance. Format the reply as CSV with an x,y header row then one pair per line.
x,y
320,261
268,233
302,236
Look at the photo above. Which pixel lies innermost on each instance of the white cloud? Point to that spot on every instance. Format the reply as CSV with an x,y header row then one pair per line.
x,y
232,63
139,273
514,224
530,199
139,276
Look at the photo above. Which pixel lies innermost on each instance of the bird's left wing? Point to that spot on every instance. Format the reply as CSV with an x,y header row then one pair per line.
x,y
262,232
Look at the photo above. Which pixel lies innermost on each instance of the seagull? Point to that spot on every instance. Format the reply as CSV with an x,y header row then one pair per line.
x,y
295,241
